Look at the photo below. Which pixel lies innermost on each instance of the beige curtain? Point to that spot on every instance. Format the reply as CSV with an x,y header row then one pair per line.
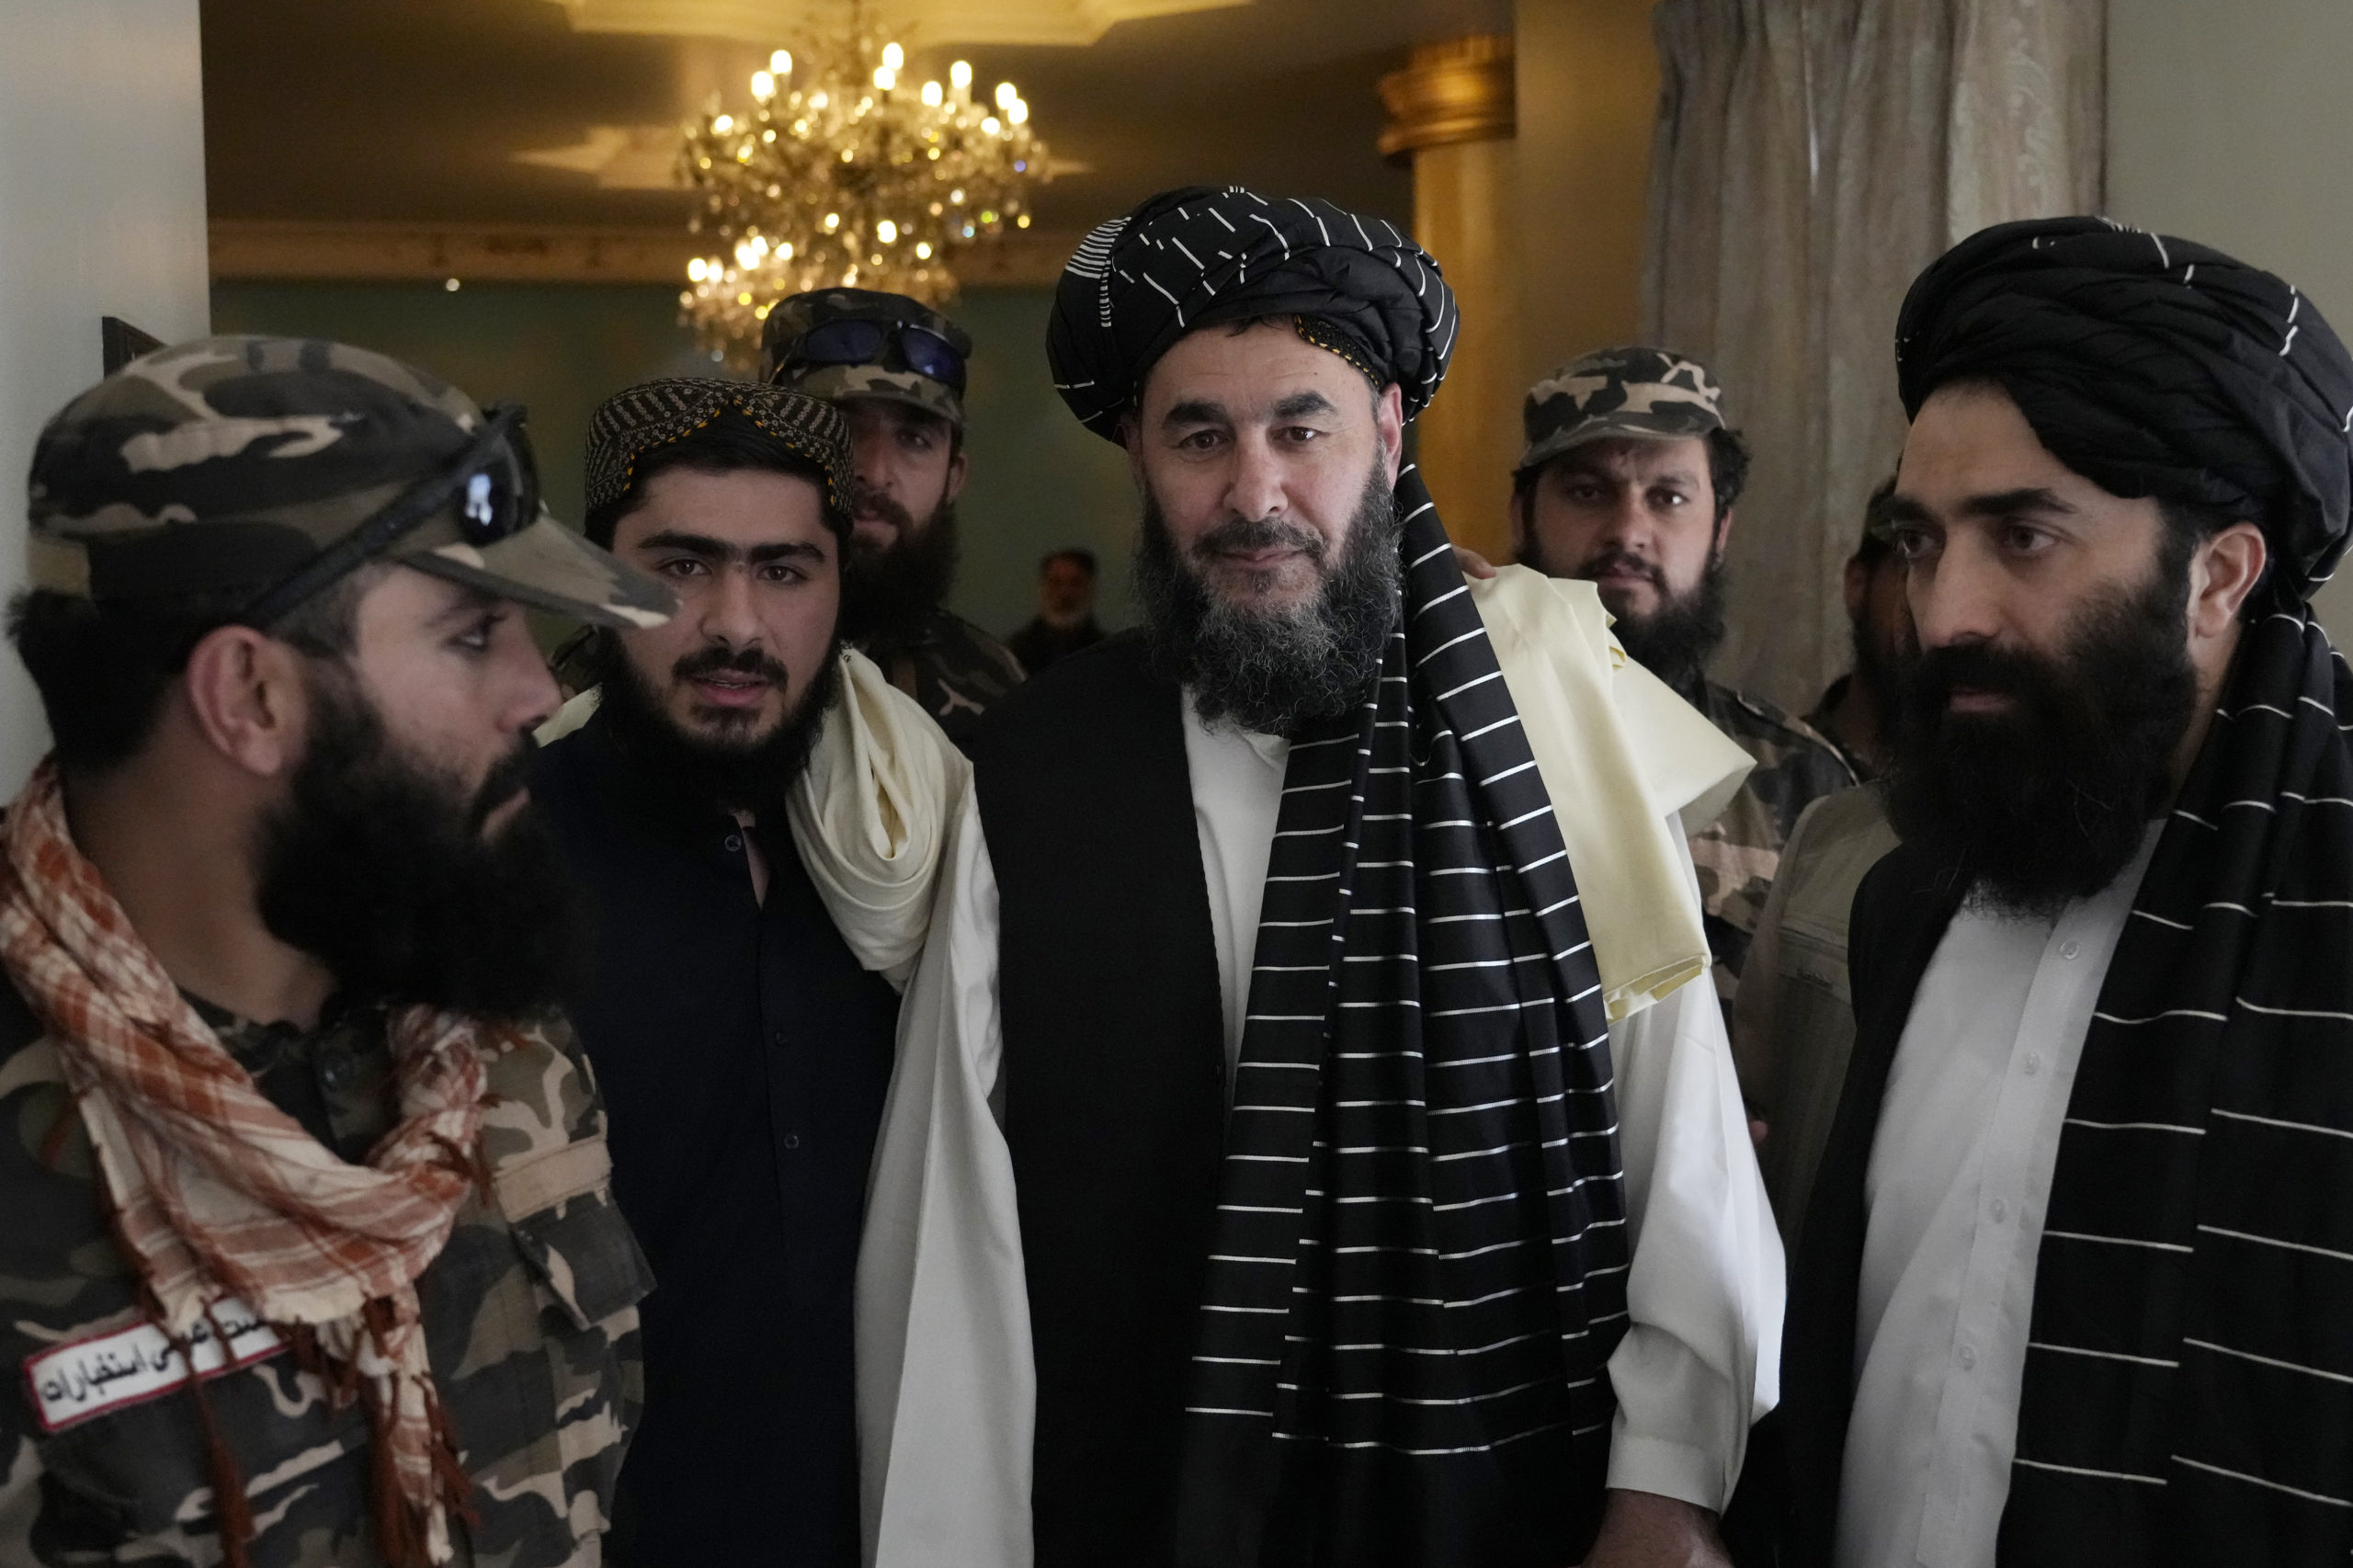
x,y
1811,158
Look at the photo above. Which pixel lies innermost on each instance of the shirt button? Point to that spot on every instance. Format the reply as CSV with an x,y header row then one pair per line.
x,y
1966,1356
735,842
2069,949
792,1139
2033,1062
2001,1210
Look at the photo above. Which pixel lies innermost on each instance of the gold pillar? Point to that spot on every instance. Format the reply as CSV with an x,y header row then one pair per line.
x,y
1451,117
1583,146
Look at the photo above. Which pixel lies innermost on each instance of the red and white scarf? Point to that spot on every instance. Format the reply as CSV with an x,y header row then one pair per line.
x,y
216,1193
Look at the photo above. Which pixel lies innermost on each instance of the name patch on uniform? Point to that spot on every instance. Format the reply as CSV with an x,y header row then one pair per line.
x,y
89,1377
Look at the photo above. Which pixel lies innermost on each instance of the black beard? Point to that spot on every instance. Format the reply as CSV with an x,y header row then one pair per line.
x,y
2048,801
750,773
1275,672
887,594
376,866
1877,673
1676,641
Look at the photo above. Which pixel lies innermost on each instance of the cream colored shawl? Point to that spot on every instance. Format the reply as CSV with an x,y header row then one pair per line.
x,y
870,813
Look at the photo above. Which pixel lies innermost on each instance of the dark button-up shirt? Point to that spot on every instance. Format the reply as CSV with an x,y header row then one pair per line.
x,y
745,1054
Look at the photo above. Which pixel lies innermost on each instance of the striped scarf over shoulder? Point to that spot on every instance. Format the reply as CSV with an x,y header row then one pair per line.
x,y
2188,1386
1418,1262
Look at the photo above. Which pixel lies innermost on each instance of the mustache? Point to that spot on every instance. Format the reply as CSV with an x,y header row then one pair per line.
x,y
1613,558
865,501
1937,673
717,658
1259,533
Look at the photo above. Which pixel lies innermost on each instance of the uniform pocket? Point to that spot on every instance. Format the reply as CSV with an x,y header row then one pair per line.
x,y
576,1244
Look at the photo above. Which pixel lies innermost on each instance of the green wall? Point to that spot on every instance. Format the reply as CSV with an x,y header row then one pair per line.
x,y
1039,481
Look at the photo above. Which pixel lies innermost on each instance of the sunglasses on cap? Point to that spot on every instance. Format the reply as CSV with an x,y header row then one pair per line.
x,y
493,487
858,342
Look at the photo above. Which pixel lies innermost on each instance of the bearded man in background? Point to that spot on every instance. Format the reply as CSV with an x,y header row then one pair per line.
x,y
896,370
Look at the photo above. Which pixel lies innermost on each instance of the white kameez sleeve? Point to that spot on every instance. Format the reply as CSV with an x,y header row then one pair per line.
x,y
947,1391
1702,1357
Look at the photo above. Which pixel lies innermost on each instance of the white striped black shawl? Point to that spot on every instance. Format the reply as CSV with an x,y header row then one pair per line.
x,y
1420,1255
2188,1390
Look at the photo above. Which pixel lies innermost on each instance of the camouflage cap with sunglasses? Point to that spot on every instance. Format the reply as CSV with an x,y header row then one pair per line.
x,y
273,466
1646,393
838,343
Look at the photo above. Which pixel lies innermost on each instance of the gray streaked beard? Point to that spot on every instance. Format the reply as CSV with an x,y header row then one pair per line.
x,y
1275,671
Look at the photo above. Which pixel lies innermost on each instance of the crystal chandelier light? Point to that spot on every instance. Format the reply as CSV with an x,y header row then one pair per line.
x,y
843,174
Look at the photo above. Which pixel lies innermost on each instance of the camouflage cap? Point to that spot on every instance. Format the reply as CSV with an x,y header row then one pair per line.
x,y
887,377
1647,393
632,424
232,464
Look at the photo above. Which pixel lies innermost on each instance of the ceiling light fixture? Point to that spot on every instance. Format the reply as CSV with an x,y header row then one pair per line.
x,y
834,178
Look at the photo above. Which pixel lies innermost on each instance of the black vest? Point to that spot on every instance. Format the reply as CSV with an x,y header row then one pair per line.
x,y
1114,1082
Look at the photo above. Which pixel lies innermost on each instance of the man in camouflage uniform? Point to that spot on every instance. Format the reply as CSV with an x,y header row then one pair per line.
x,y
1628,481
279,1094
896,369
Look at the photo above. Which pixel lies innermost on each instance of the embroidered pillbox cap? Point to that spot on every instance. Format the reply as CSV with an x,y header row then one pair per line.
x,y
633,424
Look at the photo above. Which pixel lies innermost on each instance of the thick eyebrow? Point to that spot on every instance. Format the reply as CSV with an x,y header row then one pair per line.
x,y
1196,411
1300,405
796,550
718,552
2025,501
1686,478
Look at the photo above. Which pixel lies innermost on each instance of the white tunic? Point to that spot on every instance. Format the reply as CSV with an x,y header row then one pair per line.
x,y
1957,1190
945,1442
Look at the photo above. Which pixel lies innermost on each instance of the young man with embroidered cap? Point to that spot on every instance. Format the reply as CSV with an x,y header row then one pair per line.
x,y
1628,482
895,366
759,815
286,1098
2076,1277
1314,1141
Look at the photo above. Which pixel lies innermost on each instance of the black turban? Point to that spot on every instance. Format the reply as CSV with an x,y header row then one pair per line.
x,y
1191,258
2153,367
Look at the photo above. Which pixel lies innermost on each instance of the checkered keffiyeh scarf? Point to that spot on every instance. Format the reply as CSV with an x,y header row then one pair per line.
x,y
216,1193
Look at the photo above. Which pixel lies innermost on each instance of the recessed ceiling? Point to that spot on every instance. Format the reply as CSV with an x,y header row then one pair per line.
x,y
765,22
418,111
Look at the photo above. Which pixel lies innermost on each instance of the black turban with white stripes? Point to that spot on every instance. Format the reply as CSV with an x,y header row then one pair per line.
x,y
1195,257
2153,367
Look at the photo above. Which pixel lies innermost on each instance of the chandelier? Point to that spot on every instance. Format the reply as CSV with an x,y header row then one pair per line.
x,y
843,174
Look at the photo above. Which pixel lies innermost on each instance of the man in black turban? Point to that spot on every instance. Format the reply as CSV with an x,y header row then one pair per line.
x,y
1355,1193
2077,1282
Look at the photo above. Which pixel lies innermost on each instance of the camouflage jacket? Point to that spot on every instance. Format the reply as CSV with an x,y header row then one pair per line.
x,y
1738,854
949,665
530,1316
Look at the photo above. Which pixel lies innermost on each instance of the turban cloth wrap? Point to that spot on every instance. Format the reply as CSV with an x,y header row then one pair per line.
x,y
1417,1271
1193,257
2186,1395
2153,367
